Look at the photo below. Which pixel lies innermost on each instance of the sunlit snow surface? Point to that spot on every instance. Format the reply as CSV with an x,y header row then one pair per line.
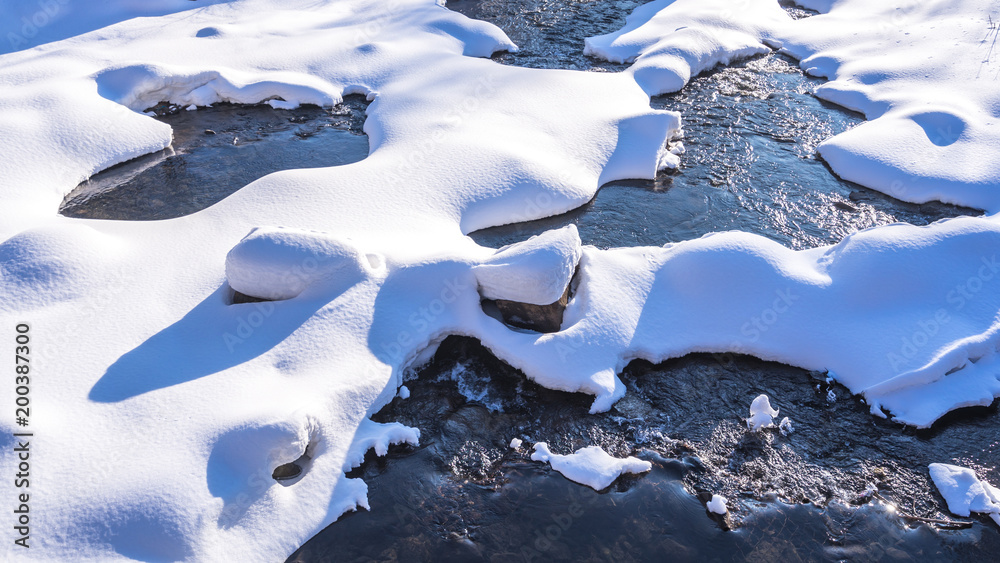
x,y
964,491
162,409
591,466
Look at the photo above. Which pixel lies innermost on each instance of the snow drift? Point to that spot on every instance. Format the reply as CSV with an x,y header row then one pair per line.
x,y
163,408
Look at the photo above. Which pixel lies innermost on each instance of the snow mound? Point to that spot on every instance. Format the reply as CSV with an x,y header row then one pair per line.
x,y
535,271
590,466
670,41
276,263
926,346
163,422
718,504
964,491
761,414
924,73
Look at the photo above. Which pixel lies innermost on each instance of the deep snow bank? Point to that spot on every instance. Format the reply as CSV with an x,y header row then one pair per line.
x,y
925,75
163,409
670,41
905,316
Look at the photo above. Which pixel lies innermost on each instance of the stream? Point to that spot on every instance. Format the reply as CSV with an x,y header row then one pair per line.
x,y
751,132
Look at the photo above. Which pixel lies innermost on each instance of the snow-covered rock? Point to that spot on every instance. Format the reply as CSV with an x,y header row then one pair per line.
x,y
785,426
964,491
277,263
670,41
590,466
536,271
718,504
378,437
761,414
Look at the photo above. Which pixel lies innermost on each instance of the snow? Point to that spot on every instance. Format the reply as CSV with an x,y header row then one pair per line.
x,y
670,41
925,75
590,466
718,504
404,392
964,491
278,263
163,408
785,426
376,436
515,443
27,24
536,271
761,414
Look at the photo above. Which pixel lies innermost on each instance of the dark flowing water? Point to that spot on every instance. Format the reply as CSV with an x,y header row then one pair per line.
x,y
464,495
216,151
751,133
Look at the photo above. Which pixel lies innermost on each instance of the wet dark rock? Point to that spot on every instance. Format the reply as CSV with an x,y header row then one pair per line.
x,y
286,471
723,520
540,318
844,206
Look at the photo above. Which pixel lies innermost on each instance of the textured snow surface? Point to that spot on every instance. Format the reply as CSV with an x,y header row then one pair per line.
x,y
671,41
926,76
536,271
964,491
591,466
280,264
163,409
